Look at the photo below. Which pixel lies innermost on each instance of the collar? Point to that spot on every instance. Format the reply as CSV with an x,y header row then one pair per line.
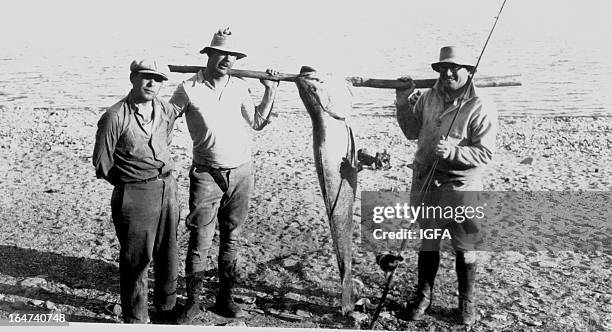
x,y
129,99
469,94
201,79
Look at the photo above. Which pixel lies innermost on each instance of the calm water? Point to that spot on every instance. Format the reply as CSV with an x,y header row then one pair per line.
x,y
68,54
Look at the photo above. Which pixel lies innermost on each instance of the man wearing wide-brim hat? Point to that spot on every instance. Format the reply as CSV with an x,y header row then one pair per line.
x,y
132,152
224,42
461,157
217,106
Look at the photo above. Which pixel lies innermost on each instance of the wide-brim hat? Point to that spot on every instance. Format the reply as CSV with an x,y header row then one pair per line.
x,y
223,41
147,66
454,55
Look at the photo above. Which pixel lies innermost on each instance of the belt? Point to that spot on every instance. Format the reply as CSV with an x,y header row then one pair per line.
x,y
206,168
155,178
215,173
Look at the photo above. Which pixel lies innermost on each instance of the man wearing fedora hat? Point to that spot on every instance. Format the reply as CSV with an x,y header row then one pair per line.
x,y
132,153
217,106
461,157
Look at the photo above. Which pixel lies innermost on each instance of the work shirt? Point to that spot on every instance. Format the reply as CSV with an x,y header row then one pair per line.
x,y
473,133
127,149
218,119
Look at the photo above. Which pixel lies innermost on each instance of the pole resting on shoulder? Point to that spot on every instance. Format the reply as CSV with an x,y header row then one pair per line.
x,y
481,82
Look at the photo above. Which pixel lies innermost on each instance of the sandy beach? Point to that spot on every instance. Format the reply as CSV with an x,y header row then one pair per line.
x,y
58,248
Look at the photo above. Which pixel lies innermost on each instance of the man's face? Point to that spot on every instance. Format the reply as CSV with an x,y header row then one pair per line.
x,y
219,63
145,86
453,77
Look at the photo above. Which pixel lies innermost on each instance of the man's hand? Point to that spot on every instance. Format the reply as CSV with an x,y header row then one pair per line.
x,y
270,83
402,95
444,148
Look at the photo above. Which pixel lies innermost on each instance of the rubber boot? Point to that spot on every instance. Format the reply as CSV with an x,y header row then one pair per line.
x,y
225,305
466,279
166,317
427,269
194,292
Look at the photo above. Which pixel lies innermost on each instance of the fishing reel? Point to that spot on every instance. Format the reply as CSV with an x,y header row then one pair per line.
x,y
388,261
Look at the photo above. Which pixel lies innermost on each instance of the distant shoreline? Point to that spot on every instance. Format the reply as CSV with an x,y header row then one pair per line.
x,y
99,110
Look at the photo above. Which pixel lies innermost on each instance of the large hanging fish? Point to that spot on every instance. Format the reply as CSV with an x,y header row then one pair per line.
x,y
328,102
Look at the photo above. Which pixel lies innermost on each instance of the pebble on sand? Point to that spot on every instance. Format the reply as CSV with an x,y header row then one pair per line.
x,y
33,282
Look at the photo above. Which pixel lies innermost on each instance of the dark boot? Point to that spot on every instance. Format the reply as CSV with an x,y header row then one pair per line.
x,y
427,270
466,277
225,305
194,292
167,317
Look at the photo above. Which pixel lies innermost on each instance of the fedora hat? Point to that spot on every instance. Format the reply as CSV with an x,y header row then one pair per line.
x,y
454,55
223,41
147,66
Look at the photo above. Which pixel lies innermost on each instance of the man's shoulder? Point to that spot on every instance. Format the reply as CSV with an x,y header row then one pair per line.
x,y
484,104
428,94
166,106
184,90
115,113
192,79
239,83
188,83
116,110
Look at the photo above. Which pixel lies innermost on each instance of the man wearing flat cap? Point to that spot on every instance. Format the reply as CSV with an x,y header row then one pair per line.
x,y
452,104
218,109
132,153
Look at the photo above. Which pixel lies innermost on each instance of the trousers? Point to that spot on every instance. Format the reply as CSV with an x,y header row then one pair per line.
x,y
465,232
145,216
216,195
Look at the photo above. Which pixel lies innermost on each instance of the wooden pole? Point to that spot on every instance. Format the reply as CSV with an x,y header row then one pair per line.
x,y
480,81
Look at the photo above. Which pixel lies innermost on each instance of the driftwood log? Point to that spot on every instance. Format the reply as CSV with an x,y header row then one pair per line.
x,y
479,81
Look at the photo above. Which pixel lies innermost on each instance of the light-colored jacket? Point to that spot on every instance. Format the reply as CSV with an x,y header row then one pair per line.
x,y
473,134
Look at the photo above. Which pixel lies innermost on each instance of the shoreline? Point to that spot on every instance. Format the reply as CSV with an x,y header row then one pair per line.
x,y
100,110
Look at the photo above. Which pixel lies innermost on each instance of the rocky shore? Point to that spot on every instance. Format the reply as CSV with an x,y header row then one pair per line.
x,y
58,251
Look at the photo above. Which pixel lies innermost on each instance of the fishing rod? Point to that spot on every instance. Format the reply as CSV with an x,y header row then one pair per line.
x,y
430,175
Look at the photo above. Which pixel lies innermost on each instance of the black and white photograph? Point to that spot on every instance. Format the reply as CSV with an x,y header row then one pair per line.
x,y
306,165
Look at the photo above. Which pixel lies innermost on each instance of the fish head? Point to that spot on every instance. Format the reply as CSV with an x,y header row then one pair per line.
x,y
324,93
